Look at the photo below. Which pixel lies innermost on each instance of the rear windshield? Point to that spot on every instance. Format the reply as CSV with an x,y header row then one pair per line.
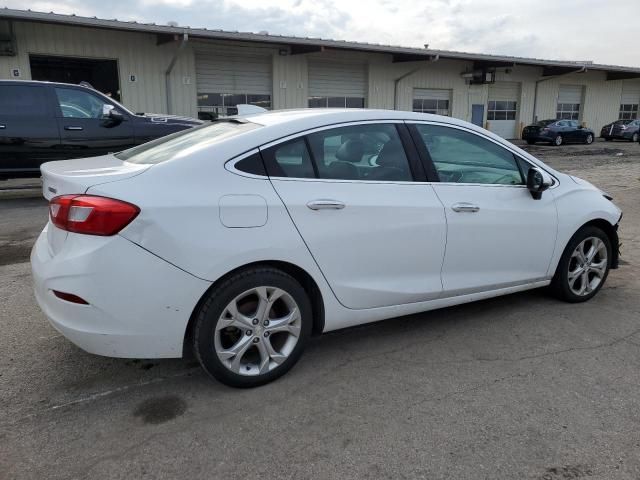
x,y
623,122
544,123
166,148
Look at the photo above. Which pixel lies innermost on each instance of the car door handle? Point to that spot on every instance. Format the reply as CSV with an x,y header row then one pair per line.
x,y
326,205
2,127
72,127
465,207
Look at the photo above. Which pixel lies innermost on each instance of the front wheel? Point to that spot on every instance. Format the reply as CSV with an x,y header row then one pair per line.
x,y
635,137
252,328
583,267
589,139
558,140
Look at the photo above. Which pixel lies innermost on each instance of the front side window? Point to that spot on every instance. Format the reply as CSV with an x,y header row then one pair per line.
x,y
336,102
464,157
226,103
628,111
360,152
78,104
22,101
568,111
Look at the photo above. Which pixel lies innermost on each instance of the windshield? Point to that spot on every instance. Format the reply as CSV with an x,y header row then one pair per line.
x,y
544,123
173,145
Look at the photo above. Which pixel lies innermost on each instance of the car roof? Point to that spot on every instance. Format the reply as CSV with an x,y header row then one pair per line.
x,y
306,118
40,82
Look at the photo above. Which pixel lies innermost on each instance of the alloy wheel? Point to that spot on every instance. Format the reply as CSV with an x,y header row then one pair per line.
x,y
589,139
587,266
635,138
558,140
257,331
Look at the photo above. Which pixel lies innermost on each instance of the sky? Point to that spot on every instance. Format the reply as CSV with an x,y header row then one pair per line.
x,y
596,30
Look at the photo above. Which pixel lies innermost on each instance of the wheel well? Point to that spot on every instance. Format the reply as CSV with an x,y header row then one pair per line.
x,y
612,233
306,280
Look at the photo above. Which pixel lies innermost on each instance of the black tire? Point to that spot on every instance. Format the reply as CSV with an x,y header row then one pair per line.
x,y
530,142
557,141
560,283
588,139
216,302
635,137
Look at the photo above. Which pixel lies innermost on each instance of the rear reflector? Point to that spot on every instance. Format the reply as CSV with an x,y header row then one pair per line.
x,y
70,297
90,214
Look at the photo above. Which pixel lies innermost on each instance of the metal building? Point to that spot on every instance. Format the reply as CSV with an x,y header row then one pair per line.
x,y
192,71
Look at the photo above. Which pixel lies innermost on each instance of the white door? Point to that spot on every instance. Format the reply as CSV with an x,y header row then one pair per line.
x,y
428,100
502,108
497,234
339,84
227,76
569,102
377,236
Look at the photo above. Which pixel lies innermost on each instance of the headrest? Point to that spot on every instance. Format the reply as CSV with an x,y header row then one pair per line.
x,y
391,155
350,151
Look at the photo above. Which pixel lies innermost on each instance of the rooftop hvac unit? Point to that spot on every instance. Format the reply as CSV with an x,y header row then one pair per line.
x,y
479,77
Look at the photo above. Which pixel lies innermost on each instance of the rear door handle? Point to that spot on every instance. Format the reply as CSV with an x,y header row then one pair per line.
x,y
465,207
2,127
72,127
326,205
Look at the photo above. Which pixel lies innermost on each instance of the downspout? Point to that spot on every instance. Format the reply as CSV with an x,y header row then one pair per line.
x,y
397,81
167,74
535,93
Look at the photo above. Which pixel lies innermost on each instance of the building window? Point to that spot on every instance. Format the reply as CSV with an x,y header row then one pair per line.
x,y
336,102
501,110
568,111
437,107
225,103
628,111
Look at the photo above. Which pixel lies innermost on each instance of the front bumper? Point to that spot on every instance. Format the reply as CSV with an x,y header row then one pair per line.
x,y
139,305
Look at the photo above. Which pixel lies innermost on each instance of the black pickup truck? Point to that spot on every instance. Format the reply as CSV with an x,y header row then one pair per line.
x,y
43,121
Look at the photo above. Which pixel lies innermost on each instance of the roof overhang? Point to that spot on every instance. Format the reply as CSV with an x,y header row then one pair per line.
x,y
303,45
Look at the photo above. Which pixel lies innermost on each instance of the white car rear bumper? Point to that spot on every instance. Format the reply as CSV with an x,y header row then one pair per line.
x,y
139,305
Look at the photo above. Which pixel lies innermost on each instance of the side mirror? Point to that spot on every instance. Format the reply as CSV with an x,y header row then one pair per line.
x,y
112,115
537,182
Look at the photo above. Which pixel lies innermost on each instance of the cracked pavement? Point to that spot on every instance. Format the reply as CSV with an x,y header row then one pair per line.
x,y
514,387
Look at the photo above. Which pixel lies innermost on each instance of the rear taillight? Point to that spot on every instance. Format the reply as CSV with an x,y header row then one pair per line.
x,y
90,214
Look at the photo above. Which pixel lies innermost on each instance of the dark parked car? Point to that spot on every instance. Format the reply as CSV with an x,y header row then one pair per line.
x,y
622,130
42,121
557,132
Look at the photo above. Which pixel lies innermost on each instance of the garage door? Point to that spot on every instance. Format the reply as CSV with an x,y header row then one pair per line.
x,y
502,108
228,77
629,100
569,102
337,84
426,100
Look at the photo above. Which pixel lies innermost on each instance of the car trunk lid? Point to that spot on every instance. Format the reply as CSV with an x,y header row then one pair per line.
x,y
76,177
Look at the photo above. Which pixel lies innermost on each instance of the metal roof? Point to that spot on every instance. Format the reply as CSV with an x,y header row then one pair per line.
x,y
308,44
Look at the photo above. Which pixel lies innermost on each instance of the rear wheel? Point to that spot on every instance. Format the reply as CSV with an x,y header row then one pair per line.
x,y
253,328
558,140
531,142
589,139
583,267
608,139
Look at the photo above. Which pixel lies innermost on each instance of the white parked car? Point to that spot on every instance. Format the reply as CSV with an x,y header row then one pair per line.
x,y
242,238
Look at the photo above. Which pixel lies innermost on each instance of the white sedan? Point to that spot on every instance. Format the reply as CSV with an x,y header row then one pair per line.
x,y
242,238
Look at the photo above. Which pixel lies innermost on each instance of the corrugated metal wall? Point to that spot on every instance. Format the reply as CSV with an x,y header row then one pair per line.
x,y
137,53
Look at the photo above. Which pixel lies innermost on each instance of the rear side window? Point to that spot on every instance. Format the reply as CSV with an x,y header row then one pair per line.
x,y
289,159
23,101
171,146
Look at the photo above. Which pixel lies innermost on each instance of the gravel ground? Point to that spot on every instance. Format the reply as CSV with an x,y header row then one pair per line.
x,y
515,387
